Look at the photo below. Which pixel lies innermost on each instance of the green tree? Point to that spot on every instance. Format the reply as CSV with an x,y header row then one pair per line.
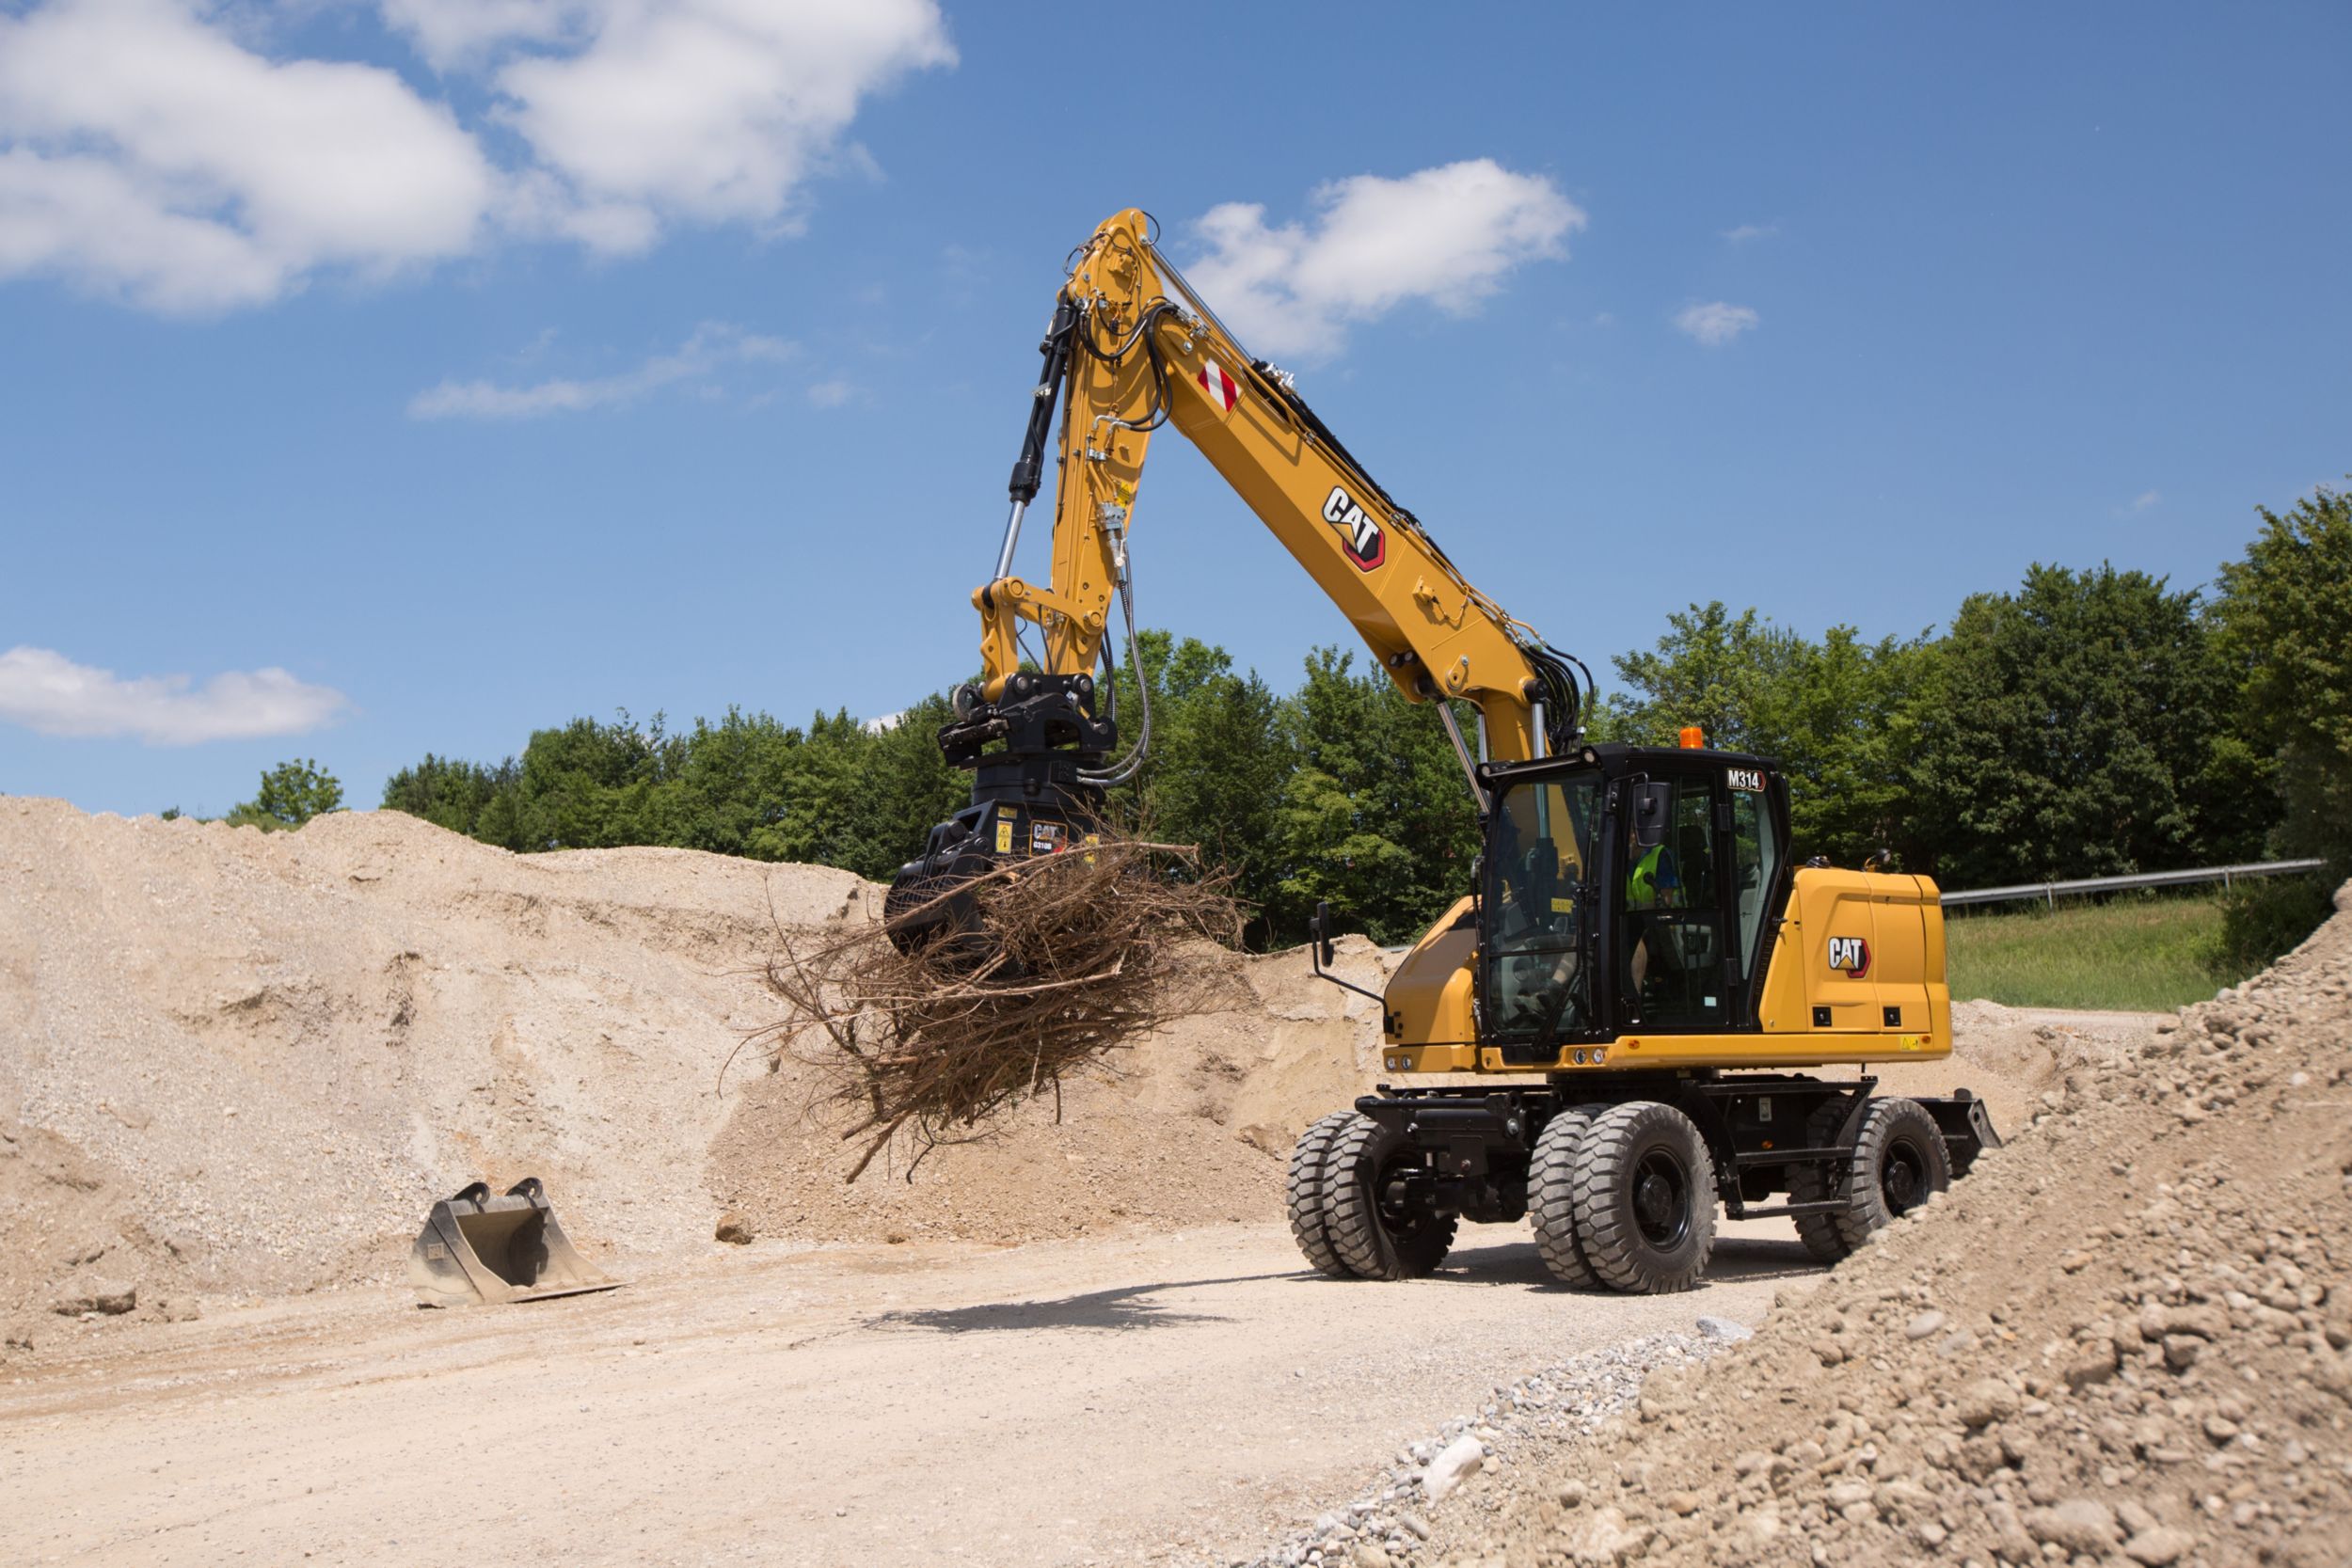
x,y
2285,617
2079,728
1840,716
1374,814
448,792
291,794
2284,611
1219,760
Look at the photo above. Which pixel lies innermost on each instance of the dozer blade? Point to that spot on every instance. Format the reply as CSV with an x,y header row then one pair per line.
x,y
479,1248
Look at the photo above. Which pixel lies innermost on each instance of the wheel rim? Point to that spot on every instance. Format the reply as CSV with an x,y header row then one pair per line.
x,y
1661,1198
1400,1216
1903,1179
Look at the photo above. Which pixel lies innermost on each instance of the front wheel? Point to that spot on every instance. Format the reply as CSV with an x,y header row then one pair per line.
x,y
1552,1197
1645,1199
1379,1219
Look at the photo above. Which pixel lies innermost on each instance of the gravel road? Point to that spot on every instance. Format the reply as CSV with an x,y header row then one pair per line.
x,y
1122,1399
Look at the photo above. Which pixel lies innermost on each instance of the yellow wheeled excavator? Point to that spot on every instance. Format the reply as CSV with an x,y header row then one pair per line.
x,y
1608,1031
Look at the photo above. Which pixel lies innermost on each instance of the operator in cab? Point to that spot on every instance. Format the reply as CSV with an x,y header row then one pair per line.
x,y
1654,883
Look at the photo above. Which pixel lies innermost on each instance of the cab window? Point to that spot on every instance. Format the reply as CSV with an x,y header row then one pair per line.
x,y
1539,847
1756,861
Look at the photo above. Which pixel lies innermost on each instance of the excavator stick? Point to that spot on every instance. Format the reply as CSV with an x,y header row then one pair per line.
x,y
476,1248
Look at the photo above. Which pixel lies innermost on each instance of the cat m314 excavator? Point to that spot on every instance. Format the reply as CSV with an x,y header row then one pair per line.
x,y
1609,1032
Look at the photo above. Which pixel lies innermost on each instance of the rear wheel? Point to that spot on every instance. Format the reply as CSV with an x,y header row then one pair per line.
x,y
1818,1183
1899,1161
1552,1197
1303,1194
1379,1221
1645,1199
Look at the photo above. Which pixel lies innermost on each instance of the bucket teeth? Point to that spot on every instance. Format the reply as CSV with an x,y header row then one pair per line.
x,y
478,1249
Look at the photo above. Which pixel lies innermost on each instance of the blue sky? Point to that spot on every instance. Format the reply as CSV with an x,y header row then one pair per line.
x,y
401,376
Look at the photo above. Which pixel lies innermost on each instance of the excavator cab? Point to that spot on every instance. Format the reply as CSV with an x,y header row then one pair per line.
x,y
1625,889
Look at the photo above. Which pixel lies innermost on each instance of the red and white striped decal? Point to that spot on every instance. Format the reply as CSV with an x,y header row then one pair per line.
x,y
1219,386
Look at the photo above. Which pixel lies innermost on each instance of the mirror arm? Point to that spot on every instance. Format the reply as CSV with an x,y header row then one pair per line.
x,y
1320,951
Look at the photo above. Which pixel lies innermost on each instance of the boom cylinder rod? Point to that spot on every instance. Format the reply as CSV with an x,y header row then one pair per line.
x,y
1012,537
1469,769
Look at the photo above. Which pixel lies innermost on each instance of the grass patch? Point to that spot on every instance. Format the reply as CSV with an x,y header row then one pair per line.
x,y
2140,952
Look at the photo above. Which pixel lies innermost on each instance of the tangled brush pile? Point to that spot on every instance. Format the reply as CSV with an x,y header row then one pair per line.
x,y
1075,956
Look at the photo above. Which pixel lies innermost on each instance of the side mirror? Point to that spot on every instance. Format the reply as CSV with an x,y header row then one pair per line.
x,y
1652,804
1319,931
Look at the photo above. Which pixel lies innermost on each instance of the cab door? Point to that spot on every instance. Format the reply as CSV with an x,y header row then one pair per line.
x,y
1672,968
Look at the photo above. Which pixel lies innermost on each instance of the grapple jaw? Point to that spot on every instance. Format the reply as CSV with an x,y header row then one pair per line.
x,y
477,1248
1030,796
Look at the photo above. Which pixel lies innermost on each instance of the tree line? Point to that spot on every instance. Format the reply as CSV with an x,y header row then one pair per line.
x,y
2083,724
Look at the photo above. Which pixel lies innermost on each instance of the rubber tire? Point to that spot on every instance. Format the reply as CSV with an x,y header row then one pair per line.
x,y
1820,1234
1607,1159
1351,1208
1891,1130
1302,1195
1552,1197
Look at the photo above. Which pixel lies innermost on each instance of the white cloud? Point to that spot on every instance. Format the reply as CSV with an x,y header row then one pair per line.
x,y
713,347
149,152
2143,501
44,690
453,34
146,154
831,394
709,110
1748,232
1448,235
1715,324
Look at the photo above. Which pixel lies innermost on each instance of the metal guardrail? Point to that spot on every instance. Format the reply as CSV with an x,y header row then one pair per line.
x,y
2048,891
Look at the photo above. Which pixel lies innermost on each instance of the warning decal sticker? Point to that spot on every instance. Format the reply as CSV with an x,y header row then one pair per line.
x,y
1219,386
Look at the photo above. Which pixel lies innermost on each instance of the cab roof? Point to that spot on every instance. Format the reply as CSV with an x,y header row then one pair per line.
x,y
1615,759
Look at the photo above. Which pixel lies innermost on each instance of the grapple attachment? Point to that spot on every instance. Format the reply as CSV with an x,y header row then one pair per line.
x,y
1030,796
478,1249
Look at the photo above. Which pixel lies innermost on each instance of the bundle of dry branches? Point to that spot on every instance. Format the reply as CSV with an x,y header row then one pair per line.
x,y
1075,956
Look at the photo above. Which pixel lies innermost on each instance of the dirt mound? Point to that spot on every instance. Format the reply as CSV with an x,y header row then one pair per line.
x,y
2124,1340
272,1052
233,1063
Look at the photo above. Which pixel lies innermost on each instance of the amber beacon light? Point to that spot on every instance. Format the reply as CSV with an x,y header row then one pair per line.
x,y
1693,739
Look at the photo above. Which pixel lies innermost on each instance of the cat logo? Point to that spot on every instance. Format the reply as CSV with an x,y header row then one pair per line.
x,y
1366,545
1850,956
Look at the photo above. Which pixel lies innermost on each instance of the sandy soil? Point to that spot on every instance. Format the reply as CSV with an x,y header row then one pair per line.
x,y
1090,1400
236,1068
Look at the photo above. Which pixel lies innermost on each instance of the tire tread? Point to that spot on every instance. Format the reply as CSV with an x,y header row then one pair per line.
x,y
1303,1195
1551,1198
1351,1213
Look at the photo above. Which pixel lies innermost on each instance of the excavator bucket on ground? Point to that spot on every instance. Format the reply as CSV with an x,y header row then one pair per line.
x,y
478,1249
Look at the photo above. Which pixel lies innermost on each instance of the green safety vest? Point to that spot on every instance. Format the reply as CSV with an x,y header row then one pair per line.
x,y
1641,889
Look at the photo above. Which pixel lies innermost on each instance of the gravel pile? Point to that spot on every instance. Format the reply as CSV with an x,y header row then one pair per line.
x,y
1388,1520
2125,1342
